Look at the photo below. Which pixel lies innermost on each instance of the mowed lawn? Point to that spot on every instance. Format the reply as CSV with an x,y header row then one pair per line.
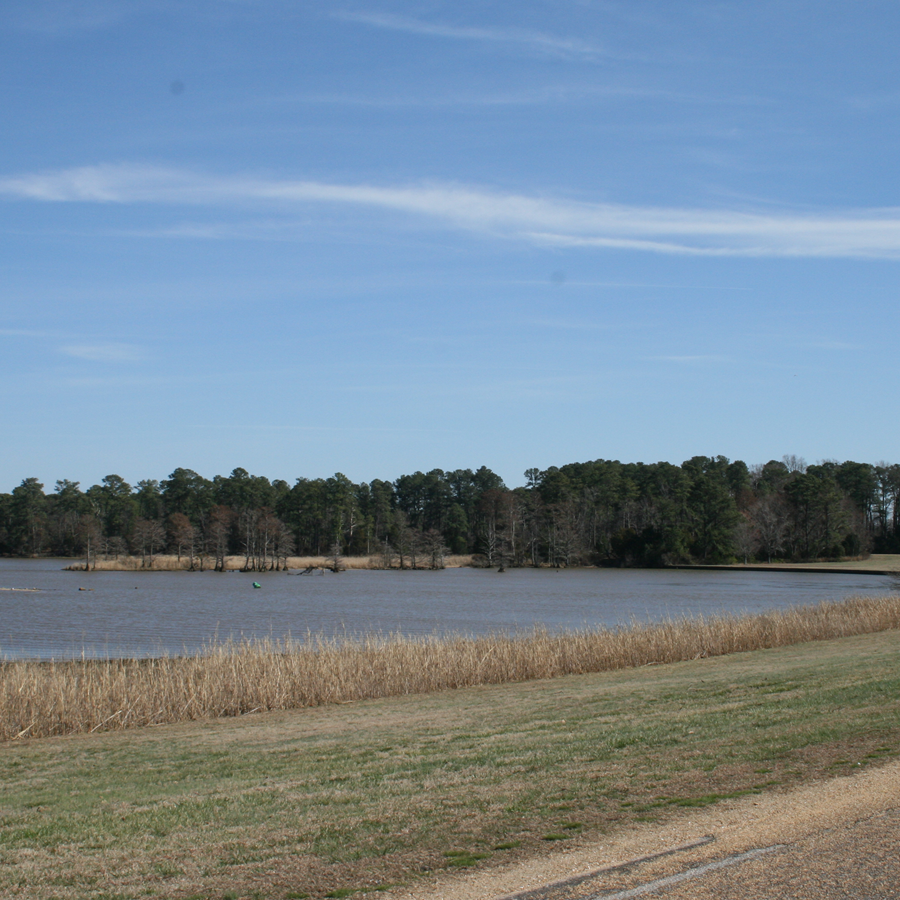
x,y
351,799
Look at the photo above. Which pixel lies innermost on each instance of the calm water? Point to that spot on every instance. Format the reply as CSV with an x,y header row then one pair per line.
x,y
150,613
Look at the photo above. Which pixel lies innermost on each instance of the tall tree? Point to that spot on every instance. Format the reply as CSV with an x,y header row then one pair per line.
x,y
184,491
113,505
28,519
68,505
714,512
148,497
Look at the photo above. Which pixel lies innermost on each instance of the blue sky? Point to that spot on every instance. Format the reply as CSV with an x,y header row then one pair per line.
x,y
376,237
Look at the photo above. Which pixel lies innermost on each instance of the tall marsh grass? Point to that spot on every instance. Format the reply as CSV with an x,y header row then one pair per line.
x,y
38,699
166,563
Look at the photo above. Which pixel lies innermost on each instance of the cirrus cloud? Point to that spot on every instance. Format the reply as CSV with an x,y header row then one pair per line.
x,y
548,221
535,40
106,353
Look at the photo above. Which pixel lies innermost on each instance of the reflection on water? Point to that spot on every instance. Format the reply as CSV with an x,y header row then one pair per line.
x,y
151,613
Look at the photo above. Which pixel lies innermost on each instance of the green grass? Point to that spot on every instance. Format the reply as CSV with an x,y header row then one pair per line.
x,y
508,845
345,800
462,858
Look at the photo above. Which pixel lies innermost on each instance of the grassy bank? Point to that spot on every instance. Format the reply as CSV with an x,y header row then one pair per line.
x,y
875,563
38,699
336,800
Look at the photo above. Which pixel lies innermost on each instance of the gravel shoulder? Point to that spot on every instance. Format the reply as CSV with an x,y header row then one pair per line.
x,y
738,826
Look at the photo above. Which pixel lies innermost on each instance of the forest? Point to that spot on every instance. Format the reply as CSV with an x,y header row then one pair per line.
x,y
707,510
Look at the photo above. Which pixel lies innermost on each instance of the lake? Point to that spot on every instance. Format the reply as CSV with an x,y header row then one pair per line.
x,y
140,614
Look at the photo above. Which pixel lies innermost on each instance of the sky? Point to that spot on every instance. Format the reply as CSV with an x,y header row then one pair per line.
x,y
376,237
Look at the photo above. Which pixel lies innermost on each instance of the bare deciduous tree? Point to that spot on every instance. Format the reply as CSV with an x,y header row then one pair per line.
x,y
434,548
148,536
746,538
335,560
182,535
89,537
217,534
770,520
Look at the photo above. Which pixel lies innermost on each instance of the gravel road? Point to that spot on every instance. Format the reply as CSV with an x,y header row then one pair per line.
x,y
834,839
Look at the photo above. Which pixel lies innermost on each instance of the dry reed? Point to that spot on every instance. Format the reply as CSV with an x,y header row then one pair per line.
x,y
234,678
166,563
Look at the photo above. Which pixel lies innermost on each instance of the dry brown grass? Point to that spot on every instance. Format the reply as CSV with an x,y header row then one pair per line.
x,y
230,679
355,562
164,563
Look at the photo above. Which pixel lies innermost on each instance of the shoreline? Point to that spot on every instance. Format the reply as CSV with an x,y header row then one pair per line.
x,y
296,565
629,763
837,568
885,564
236,677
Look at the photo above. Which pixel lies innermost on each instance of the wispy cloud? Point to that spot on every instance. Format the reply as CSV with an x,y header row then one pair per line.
x,y
23,332
698,359
826,344
114,384
525,96
73,16
534,40
540,220
566,324
235,425
556,281
107,353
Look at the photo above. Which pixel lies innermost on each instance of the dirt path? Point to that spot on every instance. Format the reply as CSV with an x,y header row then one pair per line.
x,y
738,829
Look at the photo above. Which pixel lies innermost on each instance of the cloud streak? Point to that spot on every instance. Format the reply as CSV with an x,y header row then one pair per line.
x,y
535,40
537,220
23,332
105,353
57,17
525,96
697,359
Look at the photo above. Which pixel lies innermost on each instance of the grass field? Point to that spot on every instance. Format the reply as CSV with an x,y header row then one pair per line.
x,y
352,798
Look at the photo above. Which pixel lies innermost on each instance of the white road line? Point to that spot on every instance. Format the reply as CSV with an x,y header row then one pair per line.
x,y
684,876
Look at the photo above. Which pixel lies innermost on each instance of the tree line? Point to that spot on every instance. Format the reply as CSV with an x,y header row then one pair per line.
x,y
604,512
